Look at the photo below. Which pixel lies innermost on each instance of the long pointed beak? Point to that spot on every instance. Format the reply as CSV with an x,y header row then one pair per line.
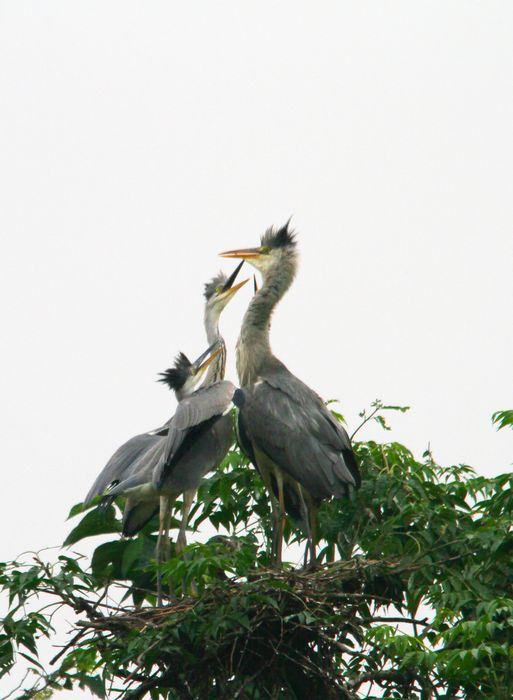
x,y
230,292
231,279
201,364
207,362
244,253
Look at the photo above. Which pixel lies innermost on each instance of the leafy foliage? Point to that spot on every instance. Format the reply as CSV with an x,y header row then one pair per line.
x,y
414,597
503,419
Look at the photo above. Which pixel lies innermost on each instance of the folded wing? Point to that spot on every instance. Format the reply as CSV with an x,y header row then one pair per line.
x,y
194,417
289,422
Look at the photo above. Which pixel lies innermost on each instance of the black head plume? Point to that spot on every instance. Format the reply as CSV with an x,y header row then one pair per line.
x,y
175,377
279,238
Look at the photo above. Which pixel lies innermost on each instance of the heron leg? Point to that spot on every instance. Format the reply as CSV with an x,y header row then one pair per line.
x,y
163,503
166,546
188,499
167,541
312,510
281,516
181,542
307,511
266,477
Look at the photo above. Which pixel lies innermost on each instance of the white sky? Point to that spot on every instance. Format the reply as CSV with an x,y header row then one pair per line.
x,y
137,140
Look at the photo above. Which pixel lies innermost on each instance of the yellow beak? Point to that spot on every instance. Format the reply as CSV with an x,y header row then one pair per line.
x,y
210,359
244,253
230,292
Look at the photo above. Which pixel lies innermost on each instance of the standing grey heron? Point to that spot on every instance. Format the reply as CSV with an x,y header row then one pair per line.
x,y
198,437
143,452
303,454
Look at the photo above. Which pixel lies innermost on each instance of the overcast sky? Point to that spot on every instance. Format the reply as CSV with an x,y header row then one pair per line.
x,y
138,140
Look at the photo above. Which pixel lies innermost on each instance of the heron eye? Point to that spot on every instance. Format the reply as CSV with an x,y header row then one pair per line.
x,y
219,290
265,249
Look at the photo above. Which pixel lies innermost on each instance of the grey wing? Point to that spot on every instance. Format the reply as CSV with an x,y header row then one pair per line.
x,y
203,404
288,421
193,412
140,471
116,468
204,449
292,505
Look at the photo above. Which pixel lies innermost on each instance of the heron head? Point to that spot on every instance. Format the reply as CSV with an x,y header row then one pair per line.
x,y
185,375
221,289
276,245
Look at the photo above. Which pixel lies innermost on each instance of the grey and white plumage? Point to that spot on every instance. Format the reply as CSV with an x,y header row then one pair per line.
x,y
123,460
188,452
141,454
289,422
198,437
133,464
302,453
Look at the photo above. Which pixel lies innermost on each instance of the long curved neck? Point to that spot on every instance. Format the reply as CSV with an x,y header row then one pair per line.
x,y
216,370
253,346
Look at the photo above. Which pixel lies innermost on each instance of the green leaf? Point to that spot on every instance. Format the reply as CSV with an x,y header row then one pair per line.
x,y
403,409
503,419
95,684
96,522
76,509
107,560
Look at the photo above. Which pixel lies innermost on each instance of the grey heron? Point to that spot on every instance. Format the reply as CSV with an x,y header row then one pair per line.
x,y
197,439
197,436
143,452
303,454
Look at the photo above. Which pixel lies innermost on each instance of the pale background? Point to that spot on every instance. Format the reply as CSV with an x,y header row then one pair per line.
x,y
138,140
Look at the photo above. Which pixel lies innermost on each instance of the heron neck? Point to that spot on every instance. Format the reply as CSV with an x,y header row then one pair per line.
x,y
253,346
182,393
216,370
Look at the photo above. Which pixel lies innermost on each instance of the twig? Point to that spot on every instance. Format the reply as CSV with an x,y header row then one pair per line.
x,y
398,676
366,420
20,684
65,648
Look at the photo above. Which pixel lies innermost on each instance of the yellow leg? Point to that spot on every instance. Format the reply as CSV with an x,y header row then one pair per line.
x,y
163,540
267,469
266,477
188,500
281,516
309,515
312,511
167,526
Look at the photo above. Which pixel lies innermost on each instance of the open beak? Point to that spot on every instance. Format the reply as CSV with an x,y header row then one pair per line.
x,y
230,292
244,253
229,288
201,364
231,279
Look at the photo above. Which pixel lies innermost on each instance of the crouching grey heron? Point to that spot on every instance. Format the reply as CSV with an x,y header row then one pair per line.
x,y
303,454
198,437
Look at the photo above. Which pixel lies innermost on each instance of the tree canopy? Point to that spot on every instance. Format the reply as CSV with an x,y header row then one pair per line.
x,y
413,597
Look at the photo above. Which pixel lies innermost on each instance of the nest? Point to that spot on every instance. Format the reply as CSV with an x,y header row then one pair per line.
x,y
295,631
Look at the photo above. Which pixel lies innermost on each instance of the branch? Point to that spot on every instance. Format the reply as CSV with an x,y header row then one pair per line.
x,y
366,420
402,677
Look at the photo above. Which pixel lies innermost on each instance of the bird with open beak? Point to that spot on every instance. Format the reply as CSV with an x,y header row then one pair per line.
x,y
133,464
302,453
